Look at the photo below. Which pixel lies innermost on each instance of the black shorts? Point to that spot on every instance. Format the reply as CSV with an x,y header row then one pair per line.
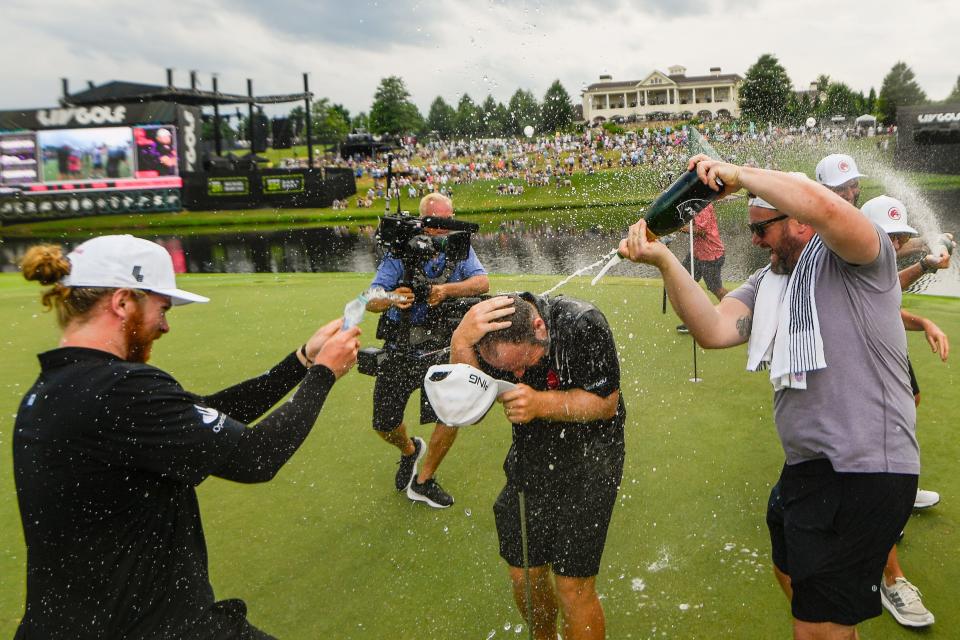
x,y
225,620
398,378
706,270
831,533
567,517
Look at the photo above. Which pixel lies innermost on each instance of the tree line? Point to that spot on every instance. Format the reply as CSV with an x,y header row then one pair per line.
x,y
394,113
767,95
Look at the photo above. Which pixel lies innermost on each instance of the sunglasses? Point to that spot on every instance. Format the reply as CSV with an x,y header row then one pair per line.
x,y
846,186
760,228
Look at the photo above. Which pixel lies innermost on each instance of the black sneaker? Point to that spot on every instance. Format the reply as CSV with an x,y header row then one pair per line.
x,y
408,464
429,492
682,328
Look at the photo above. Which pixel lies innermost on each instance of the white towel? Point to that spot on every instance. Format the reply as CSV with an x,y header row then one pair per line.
x,y
786,330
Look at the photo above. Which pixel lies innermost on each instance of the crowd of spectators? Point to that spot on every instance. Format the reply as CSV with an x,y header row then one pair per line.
x,y
513,165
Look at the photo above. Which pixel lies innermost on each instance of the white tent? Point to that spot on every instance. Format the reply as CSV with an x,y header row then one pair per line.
x,y
866,120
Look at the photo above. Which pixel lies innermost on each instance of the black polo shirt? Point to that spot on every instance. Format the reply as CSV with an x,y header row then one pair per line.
x,y
582,355
106,456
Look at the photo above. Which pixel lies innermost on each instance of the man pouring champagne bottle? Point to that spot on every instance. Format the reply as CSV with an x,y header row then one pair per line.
x,y
824,311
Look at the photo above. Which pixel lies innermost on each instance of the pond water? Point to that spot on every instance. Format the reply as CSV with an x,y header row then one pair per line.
x,y
513,249
542,250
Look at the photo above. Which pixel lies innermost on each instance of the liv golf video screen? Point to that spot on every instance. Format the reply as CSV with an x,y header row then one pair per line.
x,y
100,158
51,169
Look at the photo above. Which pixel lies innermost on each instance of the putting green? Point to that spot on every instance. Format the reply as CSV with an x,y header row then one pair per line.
x,y
330,550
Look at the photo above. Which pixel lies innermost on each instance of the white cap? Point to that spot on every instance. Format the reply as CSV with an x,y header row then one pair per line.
x,y
461,394
126,262
836,169
757,201
889,214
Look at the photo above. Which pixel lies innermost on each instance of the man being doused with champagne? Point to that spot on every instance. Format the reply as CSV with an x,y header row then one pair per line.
x,y
822,313
565,463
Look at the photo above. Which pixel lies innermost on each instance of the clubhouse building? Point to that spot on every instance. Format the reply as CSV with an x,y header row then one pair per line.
x,y
663,96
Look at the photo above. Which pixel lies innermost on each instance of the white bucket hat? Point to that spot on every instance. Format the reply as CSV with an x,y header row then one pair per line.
x,y
461,394
836,169
126,262
889,214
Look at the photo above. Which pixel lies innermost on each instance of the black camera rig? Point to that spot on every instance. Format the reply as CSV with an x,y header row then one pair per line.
x,y
409,240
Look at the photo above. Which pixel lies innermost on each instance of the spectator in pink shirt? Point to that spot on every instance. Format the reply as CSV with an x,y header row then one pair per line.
x,y
707,253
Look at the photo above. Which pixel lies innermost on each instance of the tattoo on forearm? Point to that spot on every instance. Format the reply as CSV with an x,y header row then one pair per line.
x,y
744,325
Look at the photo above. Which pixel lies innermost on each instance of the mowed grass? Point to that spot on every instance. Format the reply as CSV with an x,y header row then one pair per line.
x,y
330,550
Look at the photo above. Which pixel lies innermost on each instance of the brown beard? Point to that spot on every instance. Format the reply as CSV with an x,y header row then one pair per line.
x,y
789,254
139,342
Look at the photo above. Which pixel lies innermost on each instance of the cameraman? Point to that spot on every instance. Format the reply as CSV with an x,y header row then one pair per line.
x,y
400,374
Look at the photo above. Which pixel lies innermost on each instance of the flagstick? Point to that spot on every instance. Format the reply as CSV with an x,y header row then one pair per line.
x,y
695,378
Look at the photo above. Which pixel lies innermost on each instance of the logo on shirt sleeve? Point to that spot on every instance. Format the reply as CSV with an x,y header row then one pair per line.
x,y
211,416
596,384
208,415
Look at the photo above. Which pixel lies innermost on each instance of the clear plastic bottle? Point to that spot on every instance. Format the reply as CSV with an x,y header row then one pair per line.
x,y
353,312
944,244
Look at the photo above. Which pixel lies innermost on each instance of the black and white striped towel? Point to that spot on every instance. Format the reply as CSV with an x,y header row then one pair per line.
x,y
786,330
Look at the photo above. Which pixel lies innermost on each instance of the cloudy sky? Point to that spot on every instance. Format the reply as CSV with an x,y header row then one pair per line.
x,y
447,48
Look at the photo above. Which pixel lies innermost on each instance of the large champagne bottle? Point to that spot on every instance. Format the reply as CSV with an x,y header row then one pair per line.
x,y
674,208
682,200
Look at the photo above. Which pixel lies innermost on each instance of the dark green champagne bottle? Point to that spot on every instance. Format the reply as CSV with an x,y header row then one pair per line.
x,y
675,207
682,200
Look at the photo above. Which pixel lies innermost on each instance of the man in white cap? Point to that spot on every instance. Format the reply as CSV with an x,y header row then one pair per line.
x,y
890,214
166,153
850,475
107,451
900,597
567,451
839,173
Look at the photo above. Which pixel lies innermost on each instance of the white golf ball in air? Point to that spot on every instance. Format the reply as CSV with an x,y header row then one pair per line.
x,y
811,121
528,131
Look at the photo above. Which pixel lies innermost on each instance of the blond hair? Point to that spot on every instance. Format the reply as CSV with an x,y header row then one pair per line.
x,y
430,198
46,264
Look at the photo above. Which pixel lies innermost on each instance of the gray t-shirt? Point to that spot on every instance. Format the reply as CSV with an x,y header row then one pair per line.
x,y
858,412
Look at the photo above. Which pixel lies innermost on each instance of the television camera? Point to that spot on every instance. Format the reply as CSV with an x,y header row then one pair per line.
x,y
414,241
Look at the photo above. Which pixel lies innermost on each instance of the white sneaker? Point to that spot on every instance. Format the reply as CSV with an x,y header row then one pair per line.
x,y
902,600
926,499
